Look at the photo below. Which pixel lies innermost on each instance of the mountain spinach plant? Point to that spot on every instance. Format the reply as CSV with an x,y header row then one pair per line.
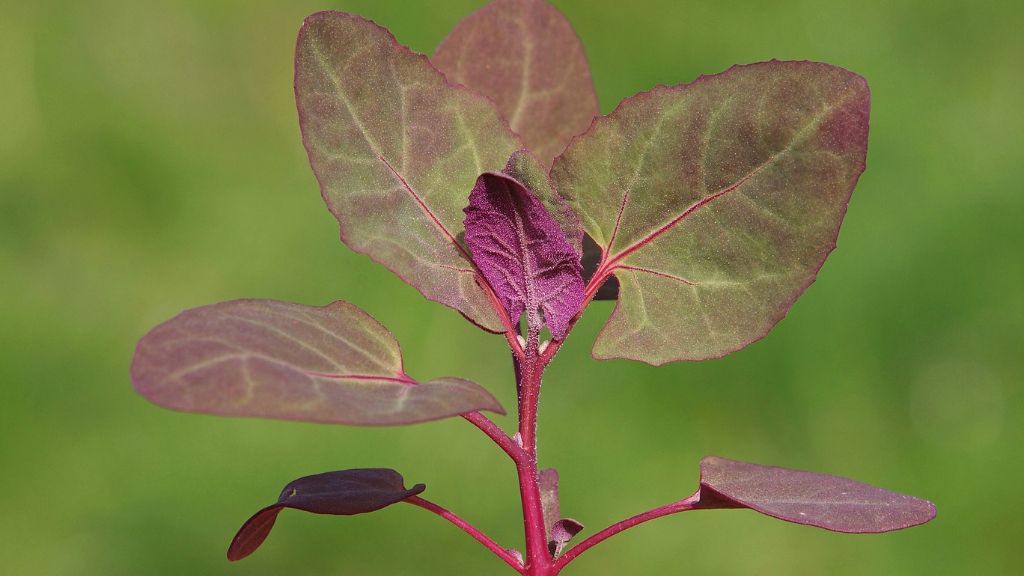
x,y
486,178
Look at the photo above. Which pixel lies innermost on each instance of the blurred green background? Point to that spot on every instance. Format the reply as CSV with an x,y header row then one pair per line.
x,y
150,161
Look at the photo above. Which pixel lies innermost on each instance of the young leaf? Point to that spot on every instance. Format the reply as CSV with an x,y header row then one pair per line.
x,y
332,364
525,169
559,530
716,202
525,56
523,253
391,141
341,493
821,500
562,532
547,480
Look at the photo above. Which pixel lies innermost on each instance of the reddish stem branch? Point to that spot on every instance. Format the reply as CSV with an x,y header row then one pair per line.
x,y
491,545
681,506
488,427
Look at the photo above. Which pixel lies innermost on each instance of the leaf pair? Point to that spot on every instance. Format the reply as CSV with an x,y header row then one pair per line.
x,y
820,500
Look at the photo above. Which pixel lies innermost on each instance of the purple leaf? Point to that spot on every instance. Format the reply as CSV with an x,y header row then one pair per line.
x,y
333,364
547,480
715,203
391,141
562,532
523,253
524,168
341,493
559,530
821,500
525,56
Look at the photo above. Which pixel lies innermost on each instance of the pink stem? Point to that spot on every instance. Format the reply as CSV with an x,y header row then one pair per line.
x,y
491,545
681,506
531,368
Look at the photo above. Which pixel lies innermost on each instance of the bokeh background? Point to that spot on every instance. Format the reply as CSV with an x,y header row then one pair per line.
x,y
150,161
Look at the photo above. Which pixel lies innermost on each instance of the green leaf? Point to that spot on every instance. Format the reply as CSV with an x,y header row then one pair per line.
x,y
525,56
396,150
332,364
715,203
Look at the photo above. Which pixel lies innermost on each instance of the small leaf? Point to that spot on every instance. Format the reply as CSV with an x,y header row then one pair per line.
x,y
715,203
391,141
523,253
341,493
525,56
549,502
562,532
809,498
332,364
559,530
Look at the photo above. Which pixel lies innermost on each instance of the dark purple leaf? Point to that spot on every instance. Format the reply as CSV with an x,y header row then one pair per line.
x,y
332,364
559,530
525,56
809,498
523,253
341,493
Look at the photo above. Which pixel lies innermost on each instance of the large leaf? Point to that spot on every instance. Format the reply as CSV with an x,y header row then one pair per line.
x,y
270,359
524,55
396,150
523,253
821,500
715,203
341,493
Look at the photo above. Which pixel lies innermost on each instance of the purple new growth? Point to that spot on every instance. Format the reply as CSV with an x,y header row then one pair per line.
x,y
523,253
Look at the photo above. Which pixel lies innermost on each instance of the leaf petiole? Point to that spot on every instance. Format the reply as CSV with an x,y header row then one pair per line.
x,y
691,503
468,528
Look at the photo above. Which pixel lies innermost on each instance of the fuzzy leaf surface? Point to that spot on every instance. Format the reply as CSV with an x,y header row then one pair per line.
x,y
396,149
715,203
332,364
523,167
525,56
341,493
523,253
560,531
547,481
821,500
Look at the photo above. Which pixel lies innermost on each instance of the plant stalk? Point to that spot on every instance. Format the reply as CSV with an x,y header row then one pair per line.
x,y
531,367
